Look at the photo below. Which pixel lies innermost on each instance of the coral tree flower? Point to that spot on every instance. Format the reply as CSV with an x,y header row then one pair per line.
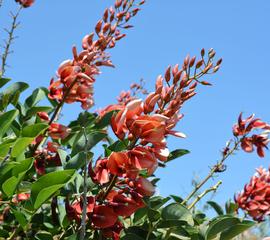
x,y
255,198
244,127
58,131
25,3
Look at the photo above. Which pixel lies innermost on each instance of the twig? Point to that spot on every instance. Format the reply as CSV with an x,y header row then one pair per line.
x,y
211,189
10,39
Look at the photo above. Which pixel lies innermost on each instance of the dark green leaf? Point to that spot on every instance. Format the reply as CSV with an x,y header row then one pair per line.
x,y
6,120
20,145
176,211
216,207
93,138
48,184
177,153
236,230
37,95
4,81
220,224
34,130
18,172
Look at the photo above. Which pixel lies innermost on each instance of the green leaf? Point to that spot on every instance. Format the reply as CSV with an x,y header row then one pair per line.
x,y
18,173
76,162
34,110
176,211
216,207
132,236
5,148
11,94
176,198
177,153
6,120
230,207
119,145
4,81
93,138
171,223
105,120
236,230
48,184
219,225
43,235
20,145
153,215
34,130
20,217
37,95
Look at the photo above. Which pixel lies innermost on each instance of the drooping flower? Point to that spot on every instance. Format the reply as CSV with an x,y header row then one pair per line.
x,y
255,198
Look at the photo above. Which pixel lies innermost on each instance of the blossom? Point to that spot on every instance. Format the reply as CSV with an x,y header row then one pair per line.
x,y
58,131
255,198
113,231
103,216
244,127
25,3
43,116
141,158
100,173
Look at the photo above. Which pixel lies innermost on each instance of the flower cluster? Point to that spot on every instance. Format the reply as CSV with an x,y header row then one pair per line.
x,y
145,125
25,3
243,129
75,77
255,198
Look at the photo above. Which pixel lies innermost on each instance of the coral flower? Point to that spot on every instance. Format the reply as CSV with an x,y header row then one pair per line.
x,y
255,198
58,131
25,3
103,216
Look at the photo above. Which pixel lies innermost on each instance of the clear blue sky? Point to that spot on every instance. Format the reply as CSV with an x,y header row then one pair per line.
x,y
165,31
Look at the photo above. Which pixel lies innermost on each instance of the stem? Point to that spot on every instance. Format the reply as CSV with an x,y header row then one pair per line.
x,y
84,212
112,183
214,169
150,229
211,189
9,41
168,233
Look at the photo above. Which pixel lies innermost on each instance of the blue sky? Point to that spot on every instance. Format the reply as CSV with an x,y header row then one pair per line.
x,y
165,31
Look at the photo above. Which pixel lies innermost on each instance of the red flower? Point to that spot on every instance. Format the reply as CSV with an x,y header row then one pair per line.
x,y
255,198
58,131
245,126
44,116
113,231
100,173
118,163
259,141
144,187
142,158
103,216
25,3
